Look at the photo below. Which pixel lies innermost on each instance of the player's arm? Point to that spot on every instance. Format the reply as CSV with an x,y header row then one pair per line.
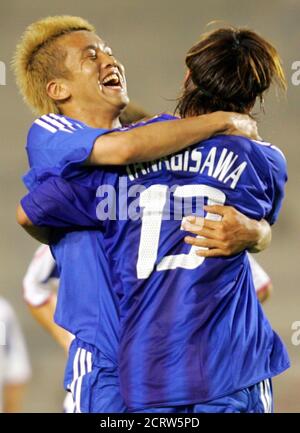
x,y
59,203
40,234
13,397
34,231
156,140
235,232
52,205
66,149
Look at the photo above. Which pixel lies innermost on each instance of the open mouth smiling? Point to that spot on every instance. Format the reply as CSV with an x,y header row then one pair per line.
x,y
113,81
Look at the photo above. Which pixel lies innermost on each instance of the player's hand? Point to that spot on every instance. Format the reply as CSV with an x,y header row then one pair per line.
x,y
235,232
241,124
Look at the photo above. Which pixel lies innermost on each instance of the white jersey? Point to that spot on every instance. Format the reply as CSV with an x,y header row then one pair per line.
x,y
38,282
14,361
260,278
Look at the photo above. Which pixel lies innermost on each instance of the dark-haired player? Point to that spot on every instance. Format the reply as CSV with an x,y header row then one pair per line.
x,y
193,336
69,75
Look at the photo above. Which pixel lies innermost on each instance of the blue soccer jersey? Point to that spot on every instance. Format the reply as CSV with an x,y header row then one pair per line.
x,y
191,328
87,306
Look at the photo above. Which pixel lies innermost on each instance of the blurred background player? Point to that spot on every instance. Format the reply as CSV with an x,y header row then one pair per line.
x,y
40,285
15,370
262,281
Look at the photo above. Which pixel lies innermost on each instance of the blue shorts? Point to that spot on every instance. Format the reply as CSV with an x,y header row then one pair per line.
x,y
254,399
93,380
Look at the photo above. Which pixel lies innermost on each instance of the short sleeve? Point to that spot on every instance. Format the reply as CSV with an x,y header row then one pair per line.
x,y
61,204
57,145
278,172
275,176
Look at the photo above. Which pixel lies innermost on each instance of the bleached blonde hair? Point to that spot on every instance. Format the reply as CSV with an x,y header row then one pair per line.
x,y
38,59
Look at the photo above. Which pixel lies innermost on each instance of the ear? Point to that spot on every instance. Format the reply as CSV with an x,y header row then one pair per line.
x,y
58,90
187,75
250,107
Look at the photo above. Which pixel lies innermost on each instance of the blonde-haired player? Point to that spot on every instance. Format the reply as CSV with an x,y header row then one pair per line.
x,y
69,75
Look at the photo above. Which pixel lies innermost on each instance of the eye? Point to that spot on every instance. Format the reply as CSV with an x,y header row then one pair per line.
x,y
92,54
108,51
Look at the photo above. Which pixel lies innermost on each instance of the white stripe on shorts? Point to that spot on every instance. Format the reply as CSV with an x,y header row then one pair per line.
x,y
82,365
266,395
79,381
75,375
263,397
269,394
89,361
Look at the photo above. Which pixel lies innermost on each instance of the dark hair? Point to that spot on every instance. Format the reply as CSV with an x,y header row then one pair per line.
x,y
228,69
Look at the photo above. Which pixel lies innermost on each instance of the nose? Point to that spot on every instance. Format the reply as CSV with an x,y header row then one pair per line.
x,y
107,61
